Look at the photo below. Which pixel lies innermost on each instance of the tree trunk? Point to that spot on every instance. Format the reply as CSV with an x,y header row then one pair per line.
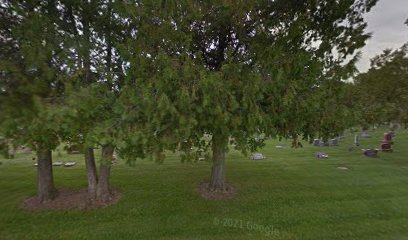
x,y
217,182
103,190
45,179
91,172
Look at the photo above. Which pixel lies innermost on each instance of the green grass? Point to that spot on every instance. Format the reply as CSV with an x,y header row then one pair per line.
x,y
293,194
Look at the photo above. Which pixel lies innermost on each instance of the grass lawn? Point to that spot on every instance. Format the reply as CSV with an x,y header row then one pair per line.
x,y
290,195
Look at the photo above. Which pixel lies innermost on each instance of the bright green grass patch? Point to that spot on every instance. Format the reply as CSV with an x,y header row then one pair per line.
x,y
290,195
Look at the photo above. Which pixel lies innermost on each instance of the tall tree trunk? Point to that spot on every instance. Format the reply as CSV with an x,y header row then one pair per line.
x,y
103,190
217,182
91,172
45,179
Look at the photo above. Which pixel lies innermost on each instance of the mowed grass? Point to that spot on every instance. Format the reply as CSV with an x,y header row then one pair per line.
x,y
290,195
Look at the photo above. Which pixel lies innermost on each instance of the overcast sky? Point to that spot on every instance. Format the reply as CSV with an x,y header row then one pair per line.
x,y
386,23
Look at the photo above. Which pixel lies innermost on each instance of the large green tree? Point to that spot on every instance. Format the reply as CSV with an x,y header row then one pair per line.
x,y
32,75
96,75
236,69
382,92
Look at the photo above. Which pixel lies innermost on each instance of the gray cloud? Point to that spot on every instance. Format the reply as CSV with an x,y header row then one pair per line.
x,y
386,23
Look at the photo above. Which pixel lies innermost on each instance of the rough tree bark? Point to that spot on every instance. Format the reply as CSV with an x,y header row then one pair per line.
x,y
45,179
103,193
217,181
91,172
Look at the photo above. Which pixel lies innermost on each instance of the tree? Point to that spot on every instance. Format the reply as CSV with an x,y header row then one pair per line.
x,y
32,81
97,73
235,69
383,91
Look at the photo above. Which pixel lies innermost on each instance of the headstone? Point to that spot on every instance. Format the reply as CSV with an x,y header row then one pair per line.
x,y
334,142
69,164
279,146
11,153
356,142
386,147
75,152
321,155
27,151
387,142
57,164
370,152
342,168
257,156
387,137
365,134
318,143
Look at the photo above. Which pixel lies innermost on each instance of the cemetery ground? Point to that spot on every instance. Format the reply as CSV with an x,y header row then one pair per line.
x,y
289,195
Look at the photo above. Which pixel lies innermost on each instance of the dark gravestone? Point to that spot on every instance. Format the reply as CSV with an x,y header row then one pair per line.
x,y
370,152
318,143
387,142
386,147
388,137
365,134
321,155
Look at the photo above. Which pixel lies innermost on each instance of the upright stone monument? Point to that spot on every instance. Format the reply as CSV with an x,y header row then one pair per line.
x,y
356,142
387,142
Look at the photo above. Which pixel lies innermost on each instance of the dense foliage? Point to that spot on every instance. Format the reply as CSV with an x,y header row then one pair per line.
x,y
148,76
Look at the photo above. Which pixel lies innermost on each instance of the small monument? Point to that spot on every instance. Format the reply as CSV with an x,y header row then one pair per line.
x,y
370,152
356,142
387,142
69,164
27,151
365,134
321,155
11,153
257,156
334,142
318,142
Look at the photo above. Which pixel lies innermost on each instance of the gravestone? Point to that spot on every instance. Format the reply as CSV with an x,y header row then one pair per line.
x,y
11,153
356,142
257,156
321,155
27,151
370,152
365,134
69,164
58,164
318,143
343,168
388,137
334,142
387,142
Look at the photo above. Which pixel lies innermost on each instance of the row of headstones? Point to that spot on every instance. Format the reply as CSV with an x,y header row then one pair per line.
x,y
60,164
